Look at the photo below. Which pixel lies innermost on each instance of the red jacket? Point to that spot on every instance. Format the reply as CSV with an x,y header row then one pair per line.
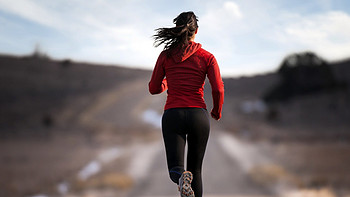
x,y
183,74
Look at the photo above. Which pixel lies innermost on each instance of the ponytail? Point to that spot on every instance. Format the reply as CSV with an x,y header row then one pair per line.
x,y
186,26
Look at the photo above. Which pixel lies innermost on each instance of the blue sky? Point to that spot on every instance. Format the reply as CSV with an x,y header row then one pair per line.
x,y
246,36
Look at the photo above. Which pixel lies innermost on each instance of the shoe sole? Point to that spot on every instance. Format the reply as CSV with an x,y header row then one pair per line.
x,y
186,185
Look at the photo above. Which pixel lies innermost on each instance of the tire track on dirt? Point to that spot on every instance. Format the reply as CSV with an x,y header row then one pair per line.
x,y
109,100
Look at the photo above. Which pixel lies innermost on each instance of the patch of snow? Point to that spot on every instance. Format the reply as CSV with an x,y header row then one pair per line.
x,y
90,169
246,155
40,195
109,155
249,107
63,188
143,158
152,117
104,157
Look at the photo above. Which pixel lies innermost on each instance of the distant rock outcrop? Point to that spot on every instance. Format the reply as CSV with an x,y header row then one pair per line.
x,y
301,74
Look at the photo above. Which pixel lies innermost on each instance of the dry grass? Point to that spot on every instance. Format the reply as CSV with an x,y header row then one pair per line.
x,y
272,175
116,181
285,183
323,192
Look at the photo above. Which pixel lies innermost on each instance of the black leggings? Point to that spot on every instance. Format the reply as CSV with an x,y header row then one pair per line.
x,y
177,124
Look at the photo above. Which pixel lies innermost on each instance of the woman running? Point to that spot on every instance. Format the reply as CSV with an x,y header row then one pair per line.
x,y
181,69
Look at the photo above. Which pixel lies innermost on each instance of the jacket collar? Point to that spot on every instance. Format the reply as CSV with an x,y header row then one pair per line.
x,y
181,55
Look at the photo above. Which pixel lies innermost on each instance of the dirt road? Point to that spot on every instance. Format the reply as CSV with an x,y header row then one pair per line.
x,y
224,174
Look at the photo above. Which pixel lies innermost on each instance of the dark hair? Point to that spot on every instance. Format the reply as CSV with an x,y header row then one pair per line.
x,y
186,26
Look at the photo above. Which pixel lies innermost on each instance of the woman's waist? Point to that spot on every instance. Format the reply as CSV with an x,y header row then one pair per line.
x,y
179,102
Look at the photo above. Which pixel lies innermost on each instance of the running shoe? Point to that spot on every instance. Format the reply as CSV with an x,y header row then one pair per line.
x,y
185,184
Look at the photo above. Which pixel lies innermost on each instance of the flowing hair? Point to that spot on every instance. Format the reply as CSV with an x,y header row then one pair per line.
x,y
178,36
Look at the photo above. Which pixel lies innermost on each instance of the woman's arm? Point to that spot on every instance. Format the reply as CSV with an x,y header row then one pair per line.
x,y
217,87
158,83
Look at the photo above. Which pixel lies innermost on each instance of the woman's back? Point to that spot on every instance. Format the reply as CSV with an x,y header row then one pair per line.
x,y
185,73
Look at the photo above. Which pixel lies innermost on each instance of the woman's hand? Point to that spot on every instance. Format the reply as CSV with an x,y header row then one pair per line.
x,y
215,115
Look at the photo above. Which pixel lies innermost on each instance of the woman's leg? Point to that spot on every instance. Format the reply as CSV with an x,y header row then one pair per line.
x,y
198,134
176,124
174,136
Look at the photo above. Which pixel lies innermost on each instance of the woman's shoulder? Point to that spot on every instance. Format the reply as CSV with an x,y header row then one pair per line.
x,y
205,53
163,55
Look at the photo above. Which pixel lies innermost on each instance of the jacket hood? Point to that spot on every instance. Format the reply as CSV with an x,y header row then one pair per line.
x,y
180,56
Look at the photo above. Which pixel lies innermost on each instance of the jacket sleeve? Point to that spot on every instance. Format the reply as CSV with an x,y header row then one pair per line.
x,y
158,83
217,86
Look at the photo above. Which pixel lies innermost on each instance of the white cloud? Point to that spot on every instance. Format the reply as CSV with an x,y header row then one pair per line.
x,y
101,30
232,9
327,34
29,10
221,17
245,36
325,4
